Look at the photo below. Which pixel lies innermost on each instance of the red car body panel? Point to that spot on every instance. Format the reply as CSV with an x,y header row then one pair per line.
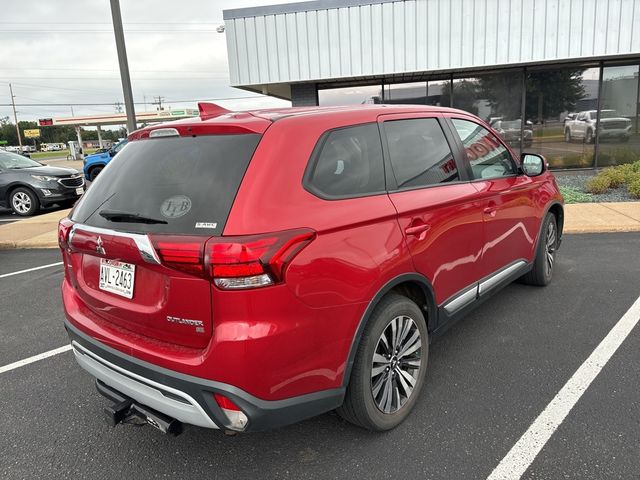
x,y
296,337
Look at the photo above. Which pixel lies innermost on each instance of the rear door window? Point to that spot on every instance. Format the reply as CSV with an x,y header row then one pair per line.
x,y
347,162
419,152
187,184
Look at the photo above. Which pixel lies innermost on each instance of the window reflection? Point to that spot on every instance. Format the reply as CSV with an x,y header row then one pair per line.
x,y
414,93
497,99
618,140
558,103
350,95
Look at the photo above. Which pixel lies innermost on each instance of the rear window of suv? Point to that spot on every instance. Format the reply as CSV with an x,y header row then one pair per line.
x,y
188,182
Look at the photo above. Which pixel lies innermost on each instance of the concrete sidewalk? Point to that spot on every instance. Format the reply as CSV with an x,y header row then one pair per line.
x,y
41,231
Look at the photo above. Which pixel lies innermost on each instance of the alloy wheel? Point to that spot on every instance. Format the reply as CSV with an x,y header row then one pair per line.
x,y
21,202
396,364
550,247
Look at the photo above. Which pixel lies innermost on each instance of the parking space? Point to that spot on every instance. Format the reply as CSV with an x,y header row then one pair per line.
x,y
489,377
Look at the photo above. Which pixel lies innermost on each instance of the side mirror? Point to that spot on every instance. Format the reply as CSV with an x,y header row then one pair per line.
x,y
533,164
111,153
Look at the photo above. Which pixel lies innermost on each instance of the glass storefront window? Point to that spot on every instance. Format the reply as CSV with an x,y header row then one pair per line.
x,y
618,139
497,99
414,93
350,95
439,93
561,104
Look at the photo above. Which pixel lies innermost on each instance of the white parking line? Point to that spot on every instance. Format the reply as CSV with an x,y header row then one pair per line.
x,y
4,275
35,358
526,449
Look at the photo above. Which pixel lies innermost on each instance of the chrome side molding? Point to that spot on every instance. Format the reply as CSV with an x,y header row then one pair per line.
x,y
471,293
499,276
462,300
147,252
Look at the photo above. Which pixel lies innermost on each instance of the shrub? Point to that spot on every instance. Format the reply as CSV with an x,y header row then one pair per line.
x,y
598,184
634,187
617,175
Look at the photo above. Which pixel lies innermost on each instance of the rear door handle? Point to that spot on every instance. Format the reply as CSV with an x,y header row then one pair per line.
x,y
419,231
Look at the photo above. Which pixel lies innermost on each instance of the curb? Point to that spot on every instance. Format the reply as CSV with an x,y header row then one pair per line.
x,y
603,229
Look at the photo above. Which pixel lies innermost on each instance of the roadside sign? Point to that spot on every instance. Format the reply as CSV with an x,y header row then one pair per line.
x,y
32,133
3,142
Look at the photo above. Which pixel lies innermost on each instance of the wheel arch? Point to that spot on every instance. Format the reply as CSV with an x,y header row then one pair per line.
x,y
557,209
412,285
14,187
93,166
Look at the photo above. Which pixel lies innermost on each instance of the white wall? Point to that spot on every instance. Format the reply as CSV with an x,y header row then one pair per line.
x,y
423,35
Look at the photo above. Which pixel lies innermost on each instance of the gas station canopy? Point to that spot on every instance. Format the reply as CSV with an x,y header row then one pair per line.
x,y
120,118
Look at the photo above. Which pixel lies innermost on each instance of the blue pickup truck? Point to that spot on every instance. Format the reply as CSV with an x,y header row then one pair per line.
x,y
93,164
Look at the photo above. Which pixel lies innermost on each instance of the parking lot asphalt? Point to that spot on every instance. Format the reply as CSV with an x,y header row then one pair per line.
x,y
489,377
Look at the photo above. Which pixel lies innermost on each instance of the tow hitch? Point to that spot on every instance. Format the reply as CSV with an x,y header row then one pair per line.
x,y
126,410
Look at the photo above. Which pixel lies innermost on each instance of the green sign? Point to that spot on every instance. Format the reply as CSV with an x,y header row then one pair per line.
x,y
3,142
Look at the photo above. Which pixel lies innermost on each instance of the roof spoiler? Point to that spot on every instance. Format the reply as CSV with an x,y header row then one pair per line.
x,y
211,110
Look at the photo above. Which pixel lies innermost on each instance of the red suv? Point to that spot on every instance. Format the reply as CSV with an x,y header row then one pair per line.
x,y
248,270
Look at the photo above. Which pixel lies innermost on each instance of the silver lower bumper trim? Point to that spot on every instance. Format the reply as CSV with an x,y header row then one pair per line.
x,y
143,390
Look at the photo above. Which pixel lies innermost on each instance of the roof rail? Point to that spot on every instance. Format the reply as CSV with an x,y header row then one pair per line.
x,y
211,110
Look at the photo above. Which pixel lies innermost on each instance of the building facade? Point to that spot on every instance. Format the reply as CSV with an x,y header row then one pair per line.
x,y
556,77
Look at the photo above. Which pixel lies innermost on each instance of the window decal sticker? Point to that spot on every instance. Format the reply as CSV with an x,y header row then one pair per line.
x,y
176,206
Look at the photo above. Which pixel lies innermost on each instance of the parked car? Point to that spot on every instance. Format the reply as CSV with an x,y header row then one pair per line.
x,y
584,126
93,164
511,130
568,118
249,270
26,185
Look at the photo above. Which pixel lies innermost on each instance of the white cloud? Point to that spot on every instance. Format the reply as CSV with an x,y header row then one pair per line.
x,y
63,51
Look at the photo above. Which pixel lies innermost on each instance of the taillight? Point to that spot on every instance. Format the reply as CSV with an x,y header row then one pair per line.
x,y
247,261
251,261
64,227
181,252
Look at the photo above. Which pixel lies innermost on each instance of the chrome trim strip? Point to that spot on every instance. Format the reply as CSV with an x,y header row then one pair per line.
x,y
147,252
146,391
496,278
462,300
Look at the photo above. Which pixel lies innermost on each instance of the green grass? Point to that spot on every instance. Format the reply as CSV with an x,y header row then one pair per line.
x,y
573,195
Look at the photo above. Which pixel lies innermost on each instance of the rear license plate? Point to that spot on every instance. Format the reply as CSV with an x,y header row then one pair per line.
x,y
117,277
79,191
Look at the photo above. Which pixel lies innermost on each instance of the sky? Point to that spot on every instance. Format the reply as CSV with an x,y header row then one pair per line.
x,y
63,52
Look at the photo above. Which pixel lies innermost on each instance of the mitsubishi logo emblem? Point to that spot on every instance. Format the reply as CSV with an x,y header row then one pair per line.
x,y
99,247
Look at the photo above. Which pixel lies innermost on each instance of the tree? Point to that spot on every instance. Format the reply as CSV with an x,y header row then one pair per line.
x,y
503,93
551,92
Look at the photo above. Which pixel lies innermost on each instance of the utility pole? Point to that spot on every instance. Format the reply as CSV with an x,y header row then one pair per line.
x,y
124,65
158,102
15,116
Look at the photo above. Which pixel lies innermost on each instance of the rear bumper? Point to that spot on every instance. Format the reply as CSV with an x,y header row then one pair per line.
x,y
190,399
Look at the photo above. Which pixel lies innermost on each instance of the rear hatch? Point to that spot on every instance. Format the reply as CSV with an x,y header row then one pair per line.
x,y
138,238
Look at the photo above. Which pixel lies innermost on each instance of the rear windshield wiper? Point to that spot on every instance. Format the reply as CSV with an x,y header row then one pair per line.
x,y
115,216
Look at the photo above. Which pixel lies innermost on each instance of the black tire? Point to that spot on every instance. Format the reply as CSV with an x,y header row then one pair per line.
x,y
542,271
624,138
360,407
94,172
24,202
588,138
